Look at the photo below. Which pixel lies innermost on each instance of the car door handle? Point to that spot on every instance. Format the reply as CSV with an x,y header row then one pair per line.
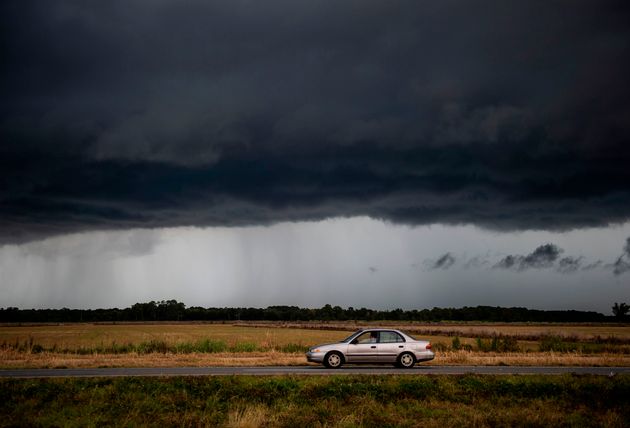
x,y
373,347
400,346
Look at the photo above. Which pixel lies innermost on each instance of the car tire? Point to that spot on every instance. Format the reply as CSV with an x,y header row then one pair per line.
x,y
406,360
333,360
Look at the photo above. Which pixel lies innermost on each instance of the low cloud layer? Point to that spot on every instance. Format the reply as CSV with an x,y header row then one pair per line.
x,y
545,256
444,262
139,114
542,257
622,265
594,265
569,264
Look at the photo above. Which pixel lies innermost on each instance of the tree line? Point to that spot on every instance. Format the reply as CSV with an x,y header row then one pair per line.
x,y
172,310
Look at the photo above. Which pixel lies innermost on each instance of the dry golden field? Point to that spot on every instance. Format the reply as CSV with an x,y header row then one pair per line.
x,y
82,345
280,333
12,359
73,336
462,329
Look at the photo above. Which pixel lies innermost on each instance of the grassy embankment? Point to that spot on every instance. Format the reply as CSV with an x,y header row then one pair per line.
x,y
426,401
89,345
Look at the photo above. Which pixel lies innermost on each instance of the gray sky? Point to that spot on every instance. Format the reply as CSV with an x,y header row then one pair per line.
x,y
356,262
233,152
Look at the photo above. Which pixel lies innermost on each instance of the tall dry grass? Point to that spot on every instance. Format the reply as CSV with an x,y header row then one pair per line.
x,y
529,359
253,416
53,346
181,337
12,359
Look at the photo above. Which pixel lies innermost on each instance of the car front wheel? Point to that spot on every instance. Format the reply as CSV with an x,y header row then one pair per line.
x,y
406,360
333,360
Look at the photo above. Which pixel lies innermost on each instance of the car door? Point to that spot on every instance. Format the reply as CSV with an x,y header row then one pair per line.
x,y
363,348
390,344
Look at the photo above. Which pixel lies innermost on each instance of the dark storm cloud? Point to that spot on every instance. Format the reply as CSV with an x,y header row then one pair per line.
x,y
444,262
131,113
541,258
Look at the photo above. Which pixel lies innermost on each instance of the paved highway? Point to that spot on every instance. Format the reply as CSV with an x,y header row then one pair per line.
x,y
307,370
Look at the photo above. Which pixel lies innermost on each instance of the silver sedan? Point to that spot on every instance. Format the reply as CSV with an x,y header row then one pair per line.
x,y
375,345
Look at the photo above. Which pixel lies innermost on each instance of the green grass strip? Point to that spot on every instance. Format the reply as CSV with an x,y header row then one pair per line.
x,y
318,401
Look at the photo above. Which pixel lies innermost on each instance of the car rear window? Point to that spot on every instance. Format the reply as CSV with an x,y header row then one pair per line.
x,y
390,337
410,336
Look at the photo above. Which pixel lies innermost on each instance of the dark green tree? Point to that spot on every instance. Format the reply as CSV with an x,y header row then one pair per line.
x,y
620,310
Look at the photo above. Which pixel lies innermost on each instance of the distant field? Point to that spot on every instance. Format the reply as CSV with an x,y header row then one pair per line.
x,y
338,401
268,335
285,332
163,344
463,329
74,336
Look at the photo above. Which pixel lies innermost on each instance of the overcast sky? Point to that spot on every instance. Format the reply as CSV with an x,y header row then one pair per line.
x,y
360,153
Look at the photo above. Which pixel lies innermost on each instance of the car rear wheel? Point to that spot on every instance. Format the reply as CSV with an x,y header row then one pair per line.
x,y
333,360
406,360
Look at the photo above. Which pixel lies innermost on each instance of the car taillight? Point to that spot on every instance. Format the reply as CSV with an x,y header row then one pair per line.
x,y
428,346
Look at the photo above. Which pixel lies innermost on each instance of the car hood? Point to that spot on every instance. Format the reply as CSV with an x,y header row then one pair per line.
x,y
325,345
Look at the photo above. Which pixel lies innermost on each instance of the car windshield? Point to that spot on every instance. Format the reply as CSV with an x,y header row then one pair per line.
x,y
347,339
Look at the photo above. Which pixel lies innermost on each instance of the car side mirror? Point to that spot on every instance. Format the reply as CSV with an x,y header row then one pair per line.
x,y
354,341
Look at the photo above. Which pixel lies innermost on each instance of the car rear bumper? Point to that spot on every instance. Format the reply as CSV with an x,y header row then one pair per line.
x,y
424,356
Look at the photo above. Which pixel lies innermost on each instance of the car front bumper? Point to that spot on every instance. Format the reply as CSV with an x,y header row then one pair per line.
x,y
315,357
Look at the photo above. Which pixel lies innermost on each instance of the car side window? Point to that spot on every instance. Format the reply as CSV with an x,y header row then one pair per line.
x,y
367,337
390,337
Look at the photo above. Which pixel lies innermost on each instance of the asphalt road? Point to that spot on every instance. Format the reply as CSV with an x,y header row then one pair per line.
x,y
307,370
